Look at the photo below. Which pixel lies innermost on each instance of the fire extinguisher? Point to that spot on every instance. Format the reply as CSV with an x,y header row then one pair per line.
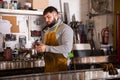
x,y
105,35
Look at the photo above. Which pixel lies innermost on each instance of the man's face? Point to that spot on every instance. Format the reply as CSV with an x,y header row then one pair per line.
x,y
50,19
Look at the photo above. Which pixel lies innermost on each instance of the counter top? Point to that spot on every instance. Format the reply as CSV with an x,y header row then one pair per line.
x,y
86,74
34,68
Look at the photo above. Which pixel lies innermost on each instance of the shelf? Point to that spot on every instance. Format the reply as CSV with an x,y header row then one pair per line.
x,y
21,12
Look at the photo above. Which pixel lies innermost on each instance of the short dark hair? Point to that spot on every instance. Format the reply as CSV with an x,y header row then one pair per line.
x,y
50,9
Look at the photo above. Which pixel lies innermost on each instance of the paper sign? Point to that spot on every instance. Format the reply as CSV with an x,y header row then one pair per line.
x,y
13,21
5,27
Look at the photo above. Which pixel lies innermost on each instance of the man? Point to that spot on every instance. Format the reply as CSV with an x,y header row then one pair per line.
x,y
58,42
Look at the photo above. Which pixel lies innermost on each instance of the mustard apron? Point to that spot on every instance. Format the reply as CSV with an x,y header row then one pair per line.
x,y
54,61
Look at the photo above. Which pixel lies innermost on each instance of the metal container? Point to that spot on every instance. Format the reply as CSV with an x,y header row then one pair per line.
x,y
93,59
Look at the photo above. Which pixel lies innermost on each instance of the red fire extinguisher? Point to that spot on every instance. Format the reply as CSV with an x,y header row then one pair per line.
x,y
105,35
1,0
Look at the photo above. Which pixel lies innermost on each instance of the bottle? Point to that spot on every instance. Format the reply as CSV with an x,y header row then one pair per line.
x,y
83,36
15,52
11,5
15,5
5,4
105,35
8,53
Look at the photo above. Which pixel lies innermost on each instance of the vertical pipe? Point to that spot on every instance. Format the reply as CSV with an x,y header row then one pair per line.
x,y
61,9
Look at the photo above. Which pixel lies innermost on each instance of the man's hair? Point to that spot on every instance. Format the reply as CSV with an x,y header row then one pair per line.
x,y
50,9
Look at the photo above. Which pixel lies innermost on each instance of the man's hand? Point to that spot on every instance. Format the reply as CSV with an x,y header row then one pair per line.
x,y
40,48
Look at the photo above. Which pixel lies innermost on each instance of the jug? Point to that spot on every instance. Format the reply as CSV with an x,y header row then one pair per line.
x,y
8,53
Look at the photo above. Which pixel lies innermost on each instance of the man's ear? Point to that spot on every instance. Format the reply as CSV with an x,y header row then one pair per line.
x,y
55,13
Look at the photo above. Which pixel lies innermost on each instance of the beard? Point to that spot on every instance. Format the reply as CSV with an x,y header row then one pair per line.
x,y
52,23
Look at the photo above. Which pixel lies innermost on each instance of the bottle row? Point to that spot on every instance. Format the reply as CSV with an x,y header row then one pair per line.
x,y
10,4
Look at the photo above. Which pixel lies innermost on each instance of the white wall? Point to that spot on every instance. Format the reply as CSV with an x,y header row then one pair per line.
x,y
74,7
81,9
25,29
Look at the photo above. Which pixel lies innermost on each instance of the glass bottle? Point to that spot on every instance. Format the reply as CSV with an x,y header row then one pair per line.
x,y
11,5
15,5
5,5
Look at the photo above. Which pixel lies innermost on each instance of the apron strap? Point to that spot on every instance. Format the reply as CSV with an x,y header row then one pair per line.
x,y
55,30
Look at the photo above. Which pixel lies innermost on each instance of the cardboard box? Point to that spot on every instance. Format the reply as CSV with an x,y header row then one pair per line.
x,y
38,4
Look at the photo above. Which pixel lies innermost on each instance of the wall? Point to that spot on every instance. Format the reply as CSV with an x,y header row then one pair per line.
x,y
100,21
74,7
26,24
59,4
80,8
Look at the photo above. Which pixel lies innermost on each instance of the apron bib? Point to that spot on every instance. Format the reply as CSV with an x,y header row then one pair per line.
x,y
54,61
